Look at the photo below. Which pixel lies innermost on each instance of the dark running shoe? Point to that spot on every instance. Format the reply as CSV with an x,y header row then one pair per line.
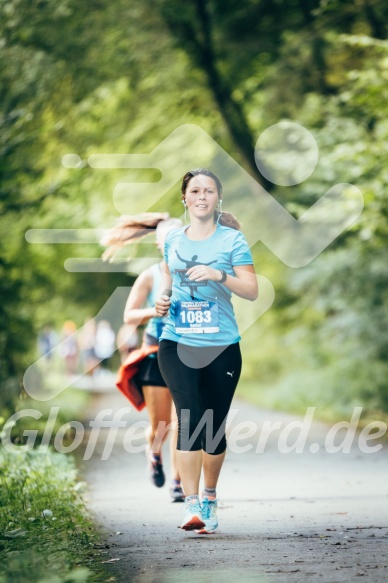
x,y
176,493
156,468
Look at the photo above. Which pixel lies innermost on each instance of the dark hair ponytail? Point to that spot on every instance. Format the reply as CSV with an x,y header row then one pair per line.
x,y
222,218
227,220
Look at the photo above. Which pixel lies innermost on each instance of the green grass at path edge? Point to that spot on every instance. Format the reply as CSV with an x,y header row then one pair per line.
x,y
46,535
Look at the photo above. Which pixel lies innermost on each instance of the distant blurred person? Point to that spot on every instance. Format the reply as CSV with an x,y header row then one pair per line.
x,y
105,342
47,339
87,342
46,342
127,340
69,347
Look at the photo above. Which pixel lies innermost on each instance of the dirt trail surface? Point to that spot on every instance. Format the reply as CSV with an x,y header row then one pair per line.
x,y
283,516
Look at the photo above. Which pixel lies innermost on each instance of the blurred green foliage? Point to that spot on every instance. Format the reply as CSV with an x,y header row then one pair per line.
x,y
68,406
118,77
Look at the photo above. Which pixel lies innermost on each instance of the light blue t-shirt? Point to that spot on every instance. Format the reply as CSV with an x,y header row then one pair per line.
x,y
155,325
222,250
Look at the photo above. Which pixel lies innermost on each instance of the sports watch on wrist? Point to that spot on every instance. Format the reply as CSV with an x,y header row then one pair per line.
x,y
224,276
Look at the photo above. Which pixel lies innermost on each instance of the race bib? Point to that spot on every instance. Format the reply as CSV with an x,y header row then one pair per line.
x,y
196,317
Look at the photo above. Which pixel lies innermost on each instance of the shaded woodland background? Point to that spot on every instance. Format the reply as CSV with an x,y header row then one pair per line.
x,y
119,76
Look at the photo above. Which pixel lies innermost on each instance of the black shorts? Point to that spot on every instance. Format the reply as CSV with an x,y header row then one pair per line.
x,y
149,373
202,393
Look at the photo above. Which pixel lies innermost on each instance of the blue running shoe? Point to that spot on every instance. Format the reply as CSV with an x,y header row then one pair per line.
x,y
209,516
192,519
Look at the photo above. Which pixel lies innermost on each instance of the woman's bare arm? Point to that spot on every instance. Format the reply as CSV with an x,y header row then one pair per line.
x,y
163,302
134,313
243,284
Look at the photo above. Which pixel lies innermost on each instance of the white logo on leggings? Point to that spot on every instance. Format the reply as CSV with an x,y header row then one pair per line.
x,y
231,373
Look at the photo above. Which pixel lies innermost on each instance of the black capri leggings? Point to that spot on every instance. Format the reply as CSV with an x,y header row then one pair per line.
x,y
202,394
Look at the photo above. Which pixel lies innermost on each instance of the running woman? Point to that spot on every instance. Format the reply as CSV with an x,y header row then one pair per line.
x,y
140,310
199,353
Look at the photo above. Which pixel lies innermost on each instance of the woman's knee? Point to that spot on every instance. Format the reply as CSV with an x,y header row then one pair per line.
x,y
189,431
213,445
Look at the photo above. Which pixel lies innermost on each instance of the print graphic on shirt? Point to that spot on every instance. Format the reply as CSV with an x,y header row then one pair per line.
x,y
185,281
231,373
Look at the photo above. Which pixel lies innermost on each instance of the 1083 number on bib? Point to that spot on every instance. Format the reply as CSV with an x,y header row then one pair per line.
x,y
196,317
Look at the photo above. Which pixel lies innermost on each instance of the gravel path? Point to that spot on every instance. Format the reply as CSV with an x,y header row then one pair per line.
x,y
283,516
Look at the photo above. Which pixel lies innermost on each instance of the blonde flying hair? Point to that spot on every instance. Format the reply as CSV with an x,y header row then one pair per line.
x,y
131,228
